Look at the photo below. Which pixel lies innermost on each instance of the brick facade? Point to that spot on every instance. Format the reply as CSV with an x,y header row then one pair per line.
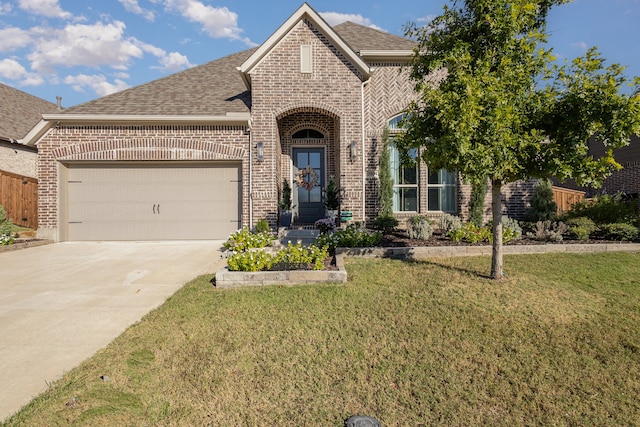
x,y
132,143
18,159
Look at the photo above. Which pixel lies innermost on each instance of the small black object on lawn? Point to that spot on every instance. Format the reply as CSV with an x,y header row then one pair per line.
x,y
361,421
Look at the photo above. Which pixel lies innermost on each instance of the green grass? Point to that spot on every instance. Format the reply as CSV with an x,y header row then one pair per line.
x,y
410,343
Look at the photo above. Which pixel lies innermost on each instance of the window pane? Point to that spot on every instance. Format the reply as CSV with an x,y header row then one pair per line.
x,y
448,199
315,195
409,176
409,199
314,160
434,199
302,160
434,177
448,177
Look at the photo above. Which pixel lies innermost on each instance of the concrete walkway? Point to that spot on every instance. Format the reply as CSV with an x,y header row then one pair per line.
x,y
62,302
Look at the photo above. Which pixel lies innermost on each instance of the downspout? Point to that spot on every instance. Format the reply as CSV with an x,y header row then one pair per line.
x,y
362,154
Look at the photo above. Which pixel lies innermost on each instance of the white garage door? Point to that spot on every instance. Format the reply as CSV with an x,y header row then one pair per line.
x,y
152,201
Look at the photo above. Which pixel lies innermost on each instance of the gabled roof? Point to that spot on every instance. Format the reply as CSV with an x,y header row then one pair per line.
x,y
19,112
304,12
215,92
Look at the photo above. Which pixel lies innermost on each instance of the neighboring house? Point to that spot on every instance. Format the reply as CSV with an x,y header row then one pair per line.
x,y
626,180
200,153
19,113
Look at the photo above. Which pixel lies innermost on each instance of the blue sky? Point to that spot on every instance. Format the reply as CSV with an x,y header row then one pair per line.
x,y
82,50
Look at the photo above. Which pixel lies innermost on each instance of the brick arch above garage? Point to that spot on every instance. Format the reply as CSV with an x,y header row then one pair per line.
x,y
148,149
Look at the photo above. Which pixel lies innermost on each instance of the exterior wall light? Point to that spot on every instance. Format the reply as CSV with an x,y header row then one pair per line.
x,y
353,151
260,151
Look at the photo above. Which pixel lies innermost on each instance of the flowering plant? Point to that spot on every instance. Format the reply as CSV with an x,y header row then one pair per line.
x,y
325,225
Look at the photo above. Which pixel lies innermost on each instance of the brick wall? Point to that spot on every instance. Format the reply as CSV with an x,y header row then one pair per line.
x,y
284,100
132,143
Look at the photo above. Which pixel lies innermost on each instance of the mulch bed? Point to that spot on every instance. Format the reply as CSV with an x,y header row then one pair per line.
x,y
400,239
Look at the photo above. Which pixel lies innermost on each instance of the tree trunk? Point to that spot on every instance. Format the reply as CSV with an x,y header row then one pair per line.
x,y
496,210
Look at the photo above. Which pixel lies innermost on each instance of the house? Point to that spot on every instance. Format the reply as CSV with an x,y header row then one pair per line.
x,y
626,180
19,113
200,153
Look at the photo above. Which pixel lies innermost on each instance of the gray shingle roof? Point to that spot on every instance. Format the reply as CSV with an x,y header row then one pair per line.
x,y
216,87
360,38
20,112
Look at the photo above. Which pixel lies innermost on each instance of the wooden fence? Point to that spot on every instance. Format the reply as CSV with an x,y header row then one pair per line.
x,y
566,197
19,197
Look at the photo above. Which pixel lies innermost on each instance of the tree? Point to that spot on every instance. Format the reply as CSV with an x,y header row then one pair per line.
x,y
385,193
502,110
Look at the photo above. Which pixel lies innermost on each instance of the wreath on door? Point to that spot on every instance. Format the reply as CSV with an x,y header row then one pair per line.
x,y
301,178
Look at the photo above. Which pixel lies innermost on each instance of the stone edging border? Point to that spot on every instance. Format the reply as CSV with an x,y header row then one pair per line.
x,y
421,252
236,279
24,245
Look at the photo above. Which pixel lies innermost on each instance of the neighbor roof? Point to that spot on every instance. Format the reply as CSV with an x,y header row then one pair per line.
x,y
19,112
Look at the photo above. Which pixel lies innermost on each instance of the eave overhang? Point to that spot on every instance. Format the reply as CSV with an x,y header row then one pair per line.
x,y
51,120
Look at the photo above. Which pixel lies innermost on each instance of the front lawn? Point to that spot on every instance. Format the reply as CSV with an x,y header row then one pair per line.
x,y
409,343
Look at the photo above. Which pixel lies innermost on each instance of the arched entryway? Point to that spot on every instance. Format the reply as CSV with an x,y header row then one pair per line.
x,y
309,151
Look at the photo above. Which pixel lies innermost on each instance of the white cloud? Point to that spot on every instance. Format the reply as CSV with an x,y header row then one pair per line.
x,y
581,45
427,19
13,38
13,70
83,45
5,8
133,7
48,8
218,22
335,18
174,62
96,82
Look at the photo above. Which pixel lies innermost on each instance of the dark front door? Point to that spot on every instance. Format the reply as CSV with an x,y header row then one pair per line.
x,y
308,167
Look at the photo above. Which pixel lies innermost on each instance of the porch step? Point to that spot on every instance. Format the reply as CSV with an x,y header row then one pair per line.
x,y
304,237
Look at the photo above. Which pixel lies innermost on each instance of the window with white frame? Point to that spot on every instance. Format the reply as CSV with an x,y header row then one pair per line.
x,y
441,184
405,181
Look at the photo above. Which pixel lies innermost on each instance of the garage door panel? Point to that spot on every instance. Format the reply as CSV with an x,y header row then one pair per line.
x,y
153,202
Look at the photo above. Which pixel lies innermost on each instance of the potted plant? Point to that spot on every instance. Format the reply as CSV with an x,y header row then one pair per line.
x,y
332,199
285,204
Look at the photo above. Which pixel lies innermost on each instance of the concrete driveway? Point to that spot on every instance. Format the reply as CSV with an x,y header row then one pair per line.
x,y
61,303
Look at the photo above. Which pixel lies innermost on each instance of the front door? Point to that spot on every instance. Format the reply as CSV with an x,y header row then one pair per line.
x,y
308,169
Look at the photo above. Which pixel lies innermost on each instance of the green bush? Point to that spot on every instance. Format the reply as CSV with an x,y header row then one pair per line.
x,y
250,261
419,227
476,203
385,223
262,226
511,229
470,233
242,240
298,257
543,207
449,223
619,231
353,236
606,209
580,228
6,226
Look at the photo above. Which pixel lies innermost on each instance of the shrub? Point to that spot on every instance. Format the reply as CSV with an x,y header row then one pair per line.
x,y
296,257
606,209
243,239
548,231
476,203
619,231
470,233
332,195
6,239
6,226
262,226
449,223
353,236
250,261
543,208
419,227
325,225
580,228
385,223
